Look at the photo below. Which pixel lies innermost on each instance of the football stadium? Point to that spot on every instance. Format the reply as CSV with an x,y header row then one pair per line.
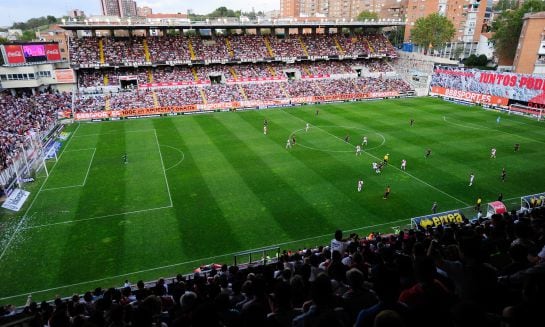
x,y
268,174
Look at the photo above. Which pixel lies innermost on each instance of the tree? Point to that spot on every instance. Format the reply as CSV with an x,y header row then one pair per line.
x,y
432,31
505,5
508,25
3,40
28,35
367,15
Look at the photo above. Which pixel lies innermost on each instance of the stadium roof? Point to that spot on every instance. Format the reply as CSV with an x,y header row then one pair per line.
x,y
127,25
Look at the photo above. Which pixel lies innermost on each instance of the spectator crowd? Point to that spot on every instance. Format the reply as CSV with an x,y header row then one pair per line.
x,y
168,48
486,273
26,114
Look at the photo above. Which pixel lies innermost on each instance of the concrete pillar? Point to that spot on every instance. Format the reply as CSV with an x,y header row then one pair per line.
x,y
286,31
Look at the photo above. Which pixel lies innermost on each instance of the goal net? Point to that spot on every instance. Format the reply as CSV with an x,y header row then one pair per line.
x,y
520,109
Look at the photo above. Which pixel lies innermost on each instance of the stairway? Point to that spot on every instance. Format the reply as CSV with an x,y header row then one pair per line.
x,y
303,45
101,51
191,51
338,46
229,48
147,55
155,99
233,72
194,72
241,89
268,45
203,96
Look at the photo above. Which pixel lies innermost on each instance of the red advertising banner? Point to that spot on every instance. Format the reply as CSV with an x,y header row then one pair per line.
x,y
14,54
104,114
65,76
471,96
224,105
52,52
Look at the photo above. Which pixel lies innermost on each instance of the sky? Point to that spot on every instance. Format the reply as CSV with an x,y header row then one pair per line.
x,y
21,10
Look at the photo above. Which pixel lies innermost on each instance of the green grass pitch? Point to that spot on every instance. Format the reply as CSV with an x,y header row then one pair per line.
x,y
198,188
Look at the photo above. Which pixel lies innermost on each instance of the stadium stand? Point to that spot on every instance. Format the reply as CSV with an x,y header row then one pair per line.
x,y
489,272
26,114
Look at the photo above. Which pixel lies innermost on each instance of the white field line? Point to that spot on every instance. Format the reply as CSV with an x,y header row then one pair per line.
x,y
402,171
89,167
61,187
192,261
116,133
35,197
95,218
84,180
75,150
484,128
163,166
180,151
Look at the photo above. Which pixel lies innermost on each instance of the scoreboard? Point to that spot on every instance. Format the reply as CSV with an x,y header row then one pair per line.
x,y
28,53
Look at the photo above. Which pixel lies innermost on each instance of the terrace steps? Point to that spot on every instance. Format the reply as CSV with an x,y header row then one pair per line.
x,y
284,90
233,72
101,51
268,45
306,70
155,99
191,50
150,76
203,96
147,55
369,45
241,89
338,46
229,48
273,72
194,72
106,79
303,45
107,105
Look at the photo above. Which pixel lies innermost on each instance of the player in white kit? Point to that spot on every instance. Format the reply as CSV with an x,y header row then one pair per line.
x,y
360,185
403,164
358,150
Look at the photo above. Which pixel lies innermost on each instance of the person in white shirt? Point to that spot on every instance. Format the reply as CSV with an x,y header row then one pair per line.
x,y
360,185
338,244
403,164
358,150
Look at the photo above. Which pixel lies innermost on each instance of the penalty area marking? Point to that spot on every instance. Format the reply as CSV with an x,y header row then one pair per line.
x,y
179,151
338,151
190,261
115,133
20,223
86,175
96,218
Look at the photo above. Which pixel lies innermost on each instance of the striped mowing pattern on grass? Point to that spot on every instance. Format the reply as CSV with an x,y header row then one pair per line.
x,y
197,188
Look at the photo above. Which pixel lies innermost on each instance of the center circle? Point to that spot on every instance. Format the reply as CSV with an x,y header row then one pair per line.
x,y
373,138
